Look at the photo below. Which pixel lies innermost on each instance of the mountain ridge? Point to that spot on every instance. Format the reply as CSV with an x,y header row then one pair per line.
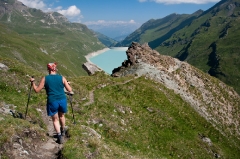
x,y
192,40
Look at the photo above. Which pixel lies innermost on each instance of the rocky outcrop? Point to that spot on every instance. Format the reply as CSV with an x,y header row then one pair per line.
x,y
8,8
211,98
3,67
90,68
54,18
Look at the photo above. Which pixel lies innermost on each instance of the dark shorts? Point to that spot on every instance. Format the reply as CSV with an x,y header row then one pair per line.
x,y
57,106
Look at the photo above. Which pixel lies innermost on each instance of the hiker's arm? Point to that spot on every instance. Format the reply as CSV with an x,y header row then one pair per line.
x,y
40,86
66,85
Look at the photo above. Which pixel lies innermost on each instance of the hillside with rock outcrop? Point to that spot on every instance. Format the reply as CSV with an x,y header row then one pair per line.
x,y
208,40
214,100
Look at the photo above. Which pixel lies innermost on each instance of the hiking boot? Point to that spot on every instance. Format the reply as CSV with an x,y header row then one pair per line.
x,y
63,131
59,139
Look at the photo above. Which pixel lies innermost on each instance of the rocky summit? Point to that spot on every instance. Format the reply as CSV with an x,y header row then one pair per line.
x,y
211,98
11,7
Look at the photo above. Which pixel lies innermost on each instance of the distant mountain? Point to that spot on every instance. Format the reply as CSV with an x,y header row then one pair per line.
x,y
36,38
109,42
115,30
121,37
208,40
154,29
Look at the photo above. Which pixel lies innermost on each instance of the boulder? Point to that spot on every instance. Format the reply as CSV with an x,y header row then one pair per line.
x,y
90,68
3,67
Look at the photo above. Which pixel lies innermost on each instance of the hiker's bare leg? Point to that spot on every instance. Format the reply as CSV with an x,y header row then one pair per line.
x,y
56,123
62,119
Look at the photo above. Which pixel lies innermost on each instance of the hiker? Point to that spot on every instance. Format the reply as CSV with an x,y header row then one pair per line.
x,y
56,98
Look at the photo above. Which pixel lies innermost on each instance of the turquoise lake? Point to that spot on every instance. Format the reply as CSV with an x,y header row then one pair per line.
x,y
110,59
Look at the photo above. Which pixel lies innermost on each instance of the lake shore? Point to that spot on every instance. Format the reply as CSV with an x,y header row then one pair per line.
x,y
92,54
108,58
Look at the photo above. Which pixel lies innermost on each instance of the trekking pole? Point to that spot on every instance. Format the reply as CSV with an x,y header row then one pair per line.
x,y
70,99
29,94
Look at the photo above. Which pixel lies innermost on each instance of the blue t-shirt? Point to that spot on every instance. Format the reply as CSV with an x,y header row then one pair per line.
x,y
54,88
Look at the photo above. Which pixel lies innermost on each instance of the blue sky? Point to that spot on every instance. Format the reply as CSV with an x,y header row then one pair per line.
x,y
97,14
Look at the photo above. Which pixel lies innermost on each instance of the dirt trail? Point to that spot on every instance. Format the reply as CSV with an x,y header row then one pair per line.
x,y
50,149
33,147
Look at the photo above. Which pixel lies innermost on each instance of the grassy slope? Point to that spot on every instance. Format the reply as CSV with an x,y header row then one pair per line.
x,y
39,43
138,118
142,119
14,89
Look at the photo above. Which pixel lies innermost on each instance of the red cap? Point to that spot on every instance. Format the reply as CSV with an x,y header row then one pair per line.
x,y
52,66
